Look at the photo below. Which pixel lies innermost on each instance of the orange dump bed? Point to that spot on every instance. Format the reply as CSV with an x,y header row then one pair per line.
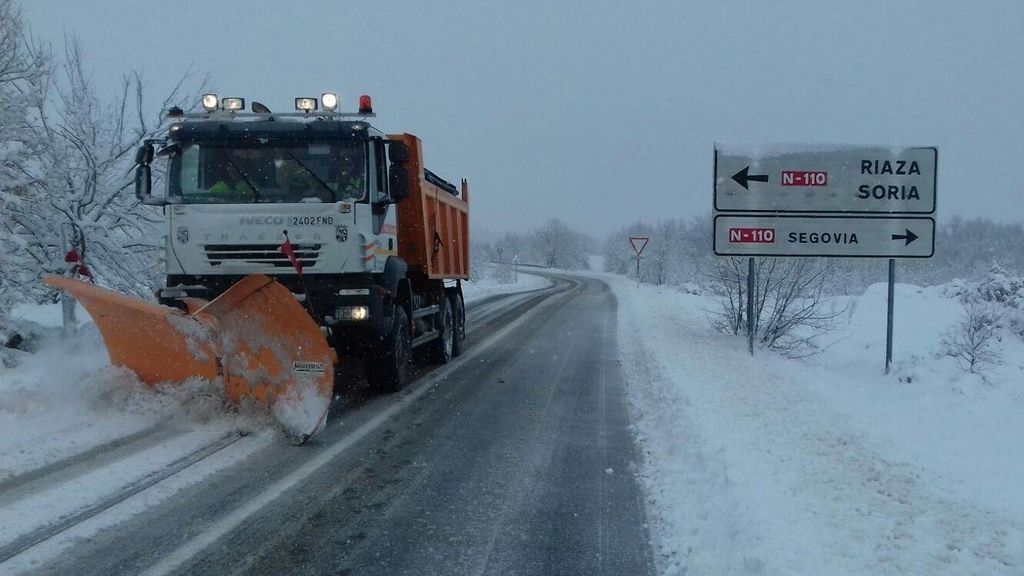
x,y
433,223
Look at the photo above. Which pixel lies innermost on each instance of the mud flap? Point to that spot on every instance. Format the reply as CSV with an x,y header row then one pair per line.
x,y
256,338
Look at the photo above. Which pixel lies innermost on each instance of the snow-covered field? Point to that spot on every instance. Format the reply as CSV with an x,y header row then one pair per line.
x,y
767,465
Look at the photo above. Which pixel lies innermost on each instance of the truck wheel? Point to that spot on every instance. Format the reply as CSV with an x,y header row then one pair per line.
x,y
459,316
388,367
441,349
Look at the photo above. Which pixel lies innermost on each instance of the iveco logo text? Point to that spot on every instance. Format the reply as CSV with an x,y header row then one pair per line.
x,y
263,220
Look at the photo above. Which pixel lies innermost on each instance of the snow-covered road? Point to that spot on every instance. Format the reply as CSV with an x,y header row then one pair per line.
x,y
767,465
760,465
85,446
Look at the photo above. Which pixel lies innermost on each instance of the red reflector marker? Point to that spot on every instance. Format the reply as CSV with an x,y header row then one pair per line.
x,y
365,104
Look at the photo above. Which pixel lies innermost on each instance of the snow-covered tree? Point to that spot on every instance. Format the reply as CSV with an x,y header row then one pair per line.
x,y
677,254
511,245
557,246
66,158
74,190
24,72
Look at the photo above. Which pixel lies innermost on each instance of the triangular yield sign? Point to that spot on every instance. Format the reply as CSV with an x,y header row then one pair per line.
x,y
639,243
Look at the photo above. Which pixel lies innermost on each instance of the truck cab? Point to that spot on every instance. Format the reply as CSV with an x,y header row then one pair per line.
x,y
311,199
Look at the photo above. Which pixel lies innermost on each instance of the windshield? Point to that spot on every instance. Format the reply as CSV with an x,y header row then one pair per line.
x,y
239,172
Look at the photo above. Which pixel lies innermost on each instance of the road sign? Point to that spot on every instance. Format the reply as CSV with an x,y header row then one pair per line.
x,y
638,243
848,180
834,236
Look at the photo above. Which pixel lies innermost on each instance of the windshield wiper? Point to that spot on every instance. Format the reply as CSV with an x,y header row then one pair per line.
x,y
316,177
255,191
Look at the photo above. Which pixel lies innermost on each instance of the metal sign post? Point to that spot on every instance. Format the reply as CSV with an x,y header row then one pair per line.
x,y
889,313
825,201
751,325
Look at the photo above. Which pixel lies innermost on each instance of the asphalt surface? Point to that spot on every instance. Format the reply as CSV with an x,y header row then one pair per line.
x,y
514,459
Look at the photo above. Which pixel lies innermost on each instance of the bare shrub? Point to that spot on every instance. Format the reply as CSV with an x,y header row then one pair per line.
x,y
728,279
791,308
973,341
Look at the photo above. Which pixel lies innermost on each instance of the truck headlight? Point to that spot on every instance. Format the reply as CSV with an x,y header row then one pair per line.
x,y
352,313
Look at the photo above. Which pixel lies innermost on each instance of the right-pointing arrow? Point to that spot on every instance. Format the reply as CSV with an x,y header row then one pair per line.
x,y
909,237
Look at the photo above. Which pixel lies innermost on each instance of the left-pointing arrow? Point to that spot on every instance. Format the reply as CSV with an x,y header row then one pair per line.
x,y
744,176
909,237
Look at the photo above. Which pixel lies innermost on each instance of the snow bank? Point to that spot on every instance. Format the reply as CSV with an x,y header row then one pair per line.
x,y
488,282
767,465
66,398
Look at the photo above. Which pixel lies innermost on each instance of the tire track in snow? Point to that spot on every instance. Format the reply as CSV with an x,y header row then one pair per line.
x,y
82,462
42,534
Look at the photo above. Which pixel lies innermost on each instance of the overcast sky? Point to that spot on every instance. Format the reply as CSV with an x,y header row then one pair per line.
x,y
602,113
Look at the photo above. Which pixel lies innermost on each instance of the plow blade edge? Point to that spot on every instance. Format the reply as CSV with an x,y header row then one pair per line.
x,y
255,338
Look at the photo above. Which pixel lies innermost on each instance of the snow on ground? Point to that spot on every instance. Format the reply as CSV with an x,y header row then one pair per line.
x,y
767,465
66,398
75,430
489,280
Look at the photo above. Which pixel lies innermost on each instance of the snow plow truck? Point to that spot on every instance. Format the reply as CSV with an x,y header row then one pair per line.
x,y
295,241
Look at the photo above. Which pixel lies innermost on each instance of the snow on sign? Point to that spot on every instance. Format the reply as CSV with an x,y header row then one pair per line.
x,y
834,236
638,243
825,179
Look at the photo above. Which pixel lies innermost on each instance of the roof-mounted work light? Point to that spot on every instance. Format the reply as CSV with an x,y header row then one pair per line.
x,y
330,101
233,104
210,102
305,104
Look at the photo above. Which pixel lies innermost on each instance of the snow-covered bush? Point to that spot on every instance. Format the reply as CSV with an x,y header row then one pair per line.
x,y
691,288
1000,292
973,341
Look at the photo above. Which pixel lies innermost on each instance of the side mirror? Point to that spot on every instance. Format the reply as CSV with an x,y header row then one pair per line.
x,y
144,176
398,152
144,155
399,182
143,182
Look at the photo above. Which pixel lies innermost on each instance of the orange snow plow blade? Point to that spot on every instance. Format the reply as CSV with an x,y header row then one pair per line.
x,y
255,338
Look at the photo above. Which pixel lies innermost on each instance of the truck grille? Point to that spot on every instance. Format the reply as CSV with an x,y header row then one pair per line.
x,y
261,254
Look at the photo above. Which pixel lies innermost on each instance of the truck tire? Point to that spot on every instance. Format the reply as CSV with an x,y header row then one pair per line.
x,y
387,369
459,316
441,350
